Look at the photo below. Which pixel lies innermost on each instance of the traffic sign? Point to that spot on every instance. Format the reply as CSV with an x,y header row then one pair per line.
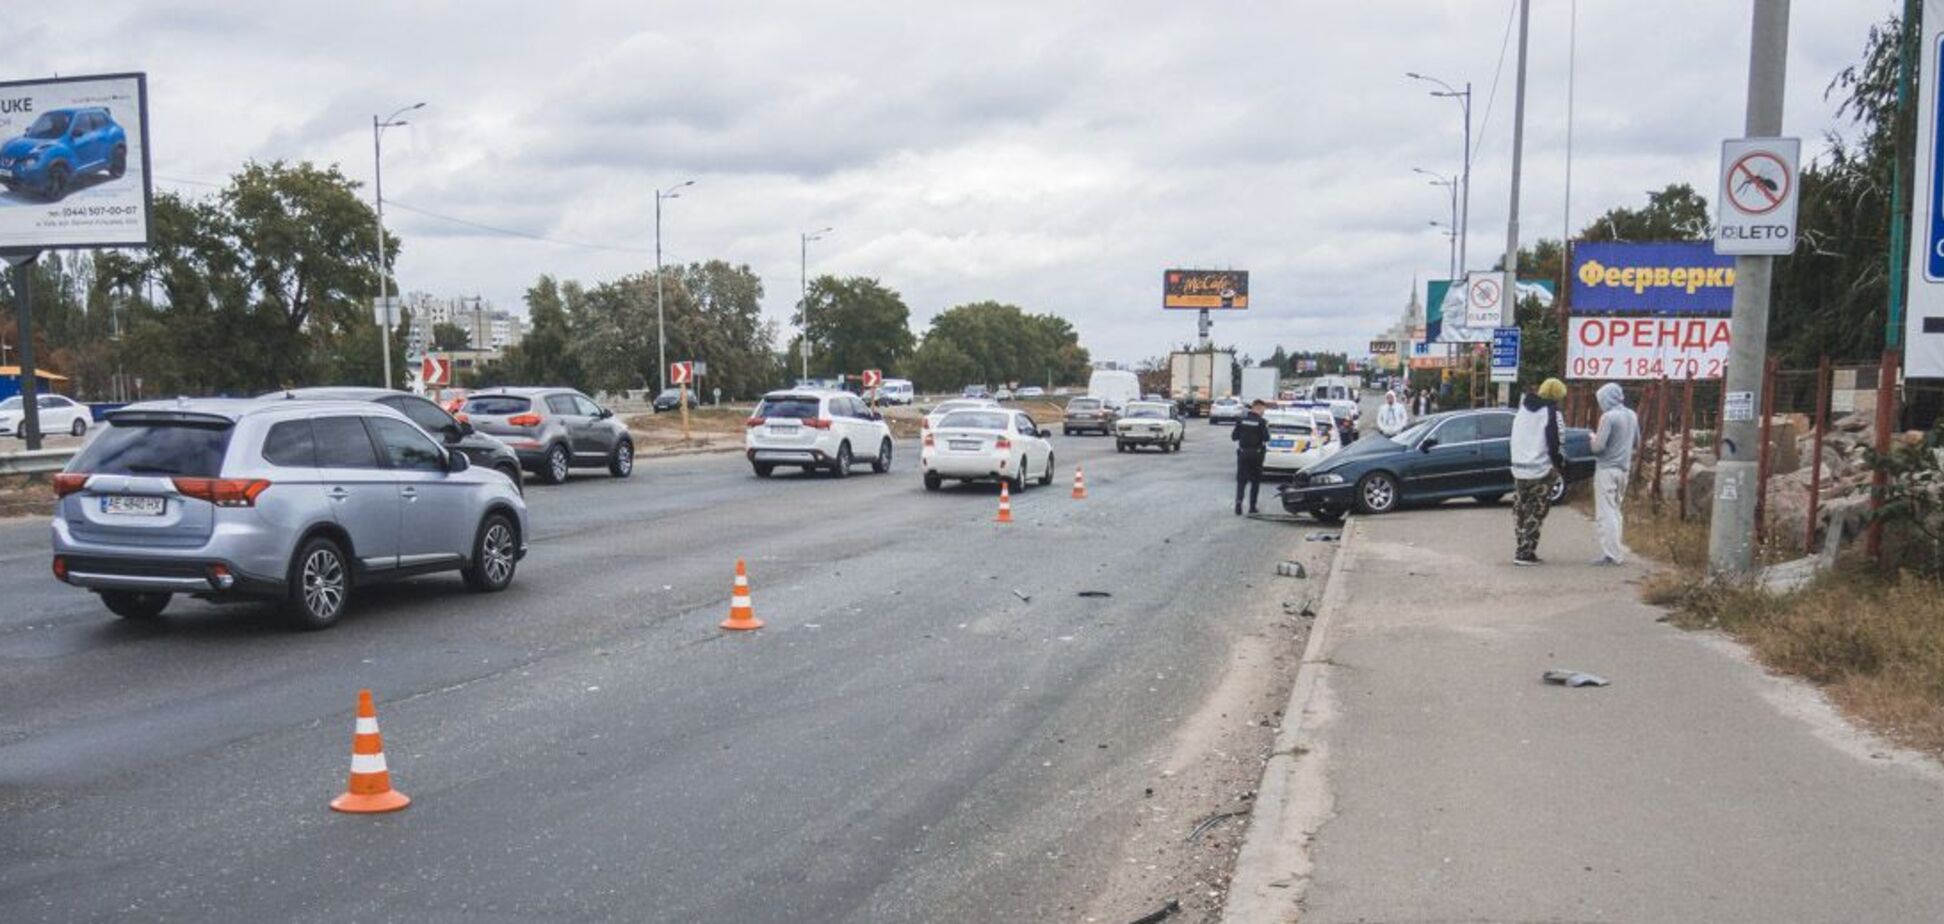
x,y
1759,189
873,378
680,373
1922,336
384,311
435,370
1505,354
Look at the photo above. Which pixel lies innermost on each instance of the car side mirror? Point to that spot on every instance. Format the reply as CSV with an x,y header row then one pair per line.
x,y
466,428
875,415
457,462
1428,445
603,414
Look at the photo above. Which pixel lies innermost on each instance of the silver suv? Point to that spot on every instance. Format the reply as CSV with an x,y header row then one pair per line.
x,y
295,501
553,430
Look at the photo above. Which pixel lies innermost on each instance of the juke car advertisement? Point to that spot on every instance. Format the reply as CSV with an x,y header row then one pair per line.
x,y
74,166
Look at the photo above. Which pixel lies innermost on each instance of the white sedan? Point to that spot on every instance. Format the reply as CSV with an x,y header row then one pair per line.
x,y
58,414
1148,423
1294,443
986,444
938,413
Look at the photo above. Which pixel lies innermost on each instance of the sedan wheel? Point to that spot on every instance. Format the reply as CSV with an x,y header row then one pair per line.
x,y
1377,493
1046,477
80,427
1557,492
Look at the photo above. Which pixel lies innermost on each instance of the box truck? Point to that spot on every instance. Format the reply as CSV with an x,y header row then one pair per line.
x,y
1259,383
1196,378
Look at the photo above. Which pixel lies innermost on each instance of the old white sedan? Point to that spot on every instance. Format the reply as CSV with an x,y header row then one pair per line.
x,y
1148,423
986,444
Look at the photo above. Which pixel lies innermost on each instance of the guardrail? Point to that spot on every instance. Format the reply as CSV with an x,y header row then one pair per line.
x,y
34,462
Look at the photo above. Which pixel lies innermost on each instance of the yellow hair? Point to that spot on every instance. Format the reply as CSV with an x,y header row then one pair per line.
x,y
1552,390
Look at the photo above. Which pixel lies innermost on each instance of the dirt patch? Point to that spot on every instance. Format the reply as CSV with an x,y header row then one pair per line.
x,y
1184,836
26,495
710,429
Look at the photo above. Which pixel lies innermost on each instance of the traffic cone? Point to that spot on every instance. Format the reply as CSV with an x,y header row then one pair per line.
x,y
741,615
370,789
1079,484
1005,503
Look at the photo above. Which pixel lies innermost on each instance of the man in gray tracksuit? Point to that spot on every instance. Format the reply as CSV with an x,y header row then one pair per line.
x,y
1613,452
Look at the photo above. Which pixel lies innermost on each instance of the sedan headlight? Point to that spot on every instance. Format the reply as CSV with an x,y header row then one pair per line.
x,y
1326,478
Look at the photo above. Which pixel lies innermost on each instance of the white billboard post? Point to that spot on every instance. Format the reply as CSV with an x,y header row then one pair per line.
x,y
74,174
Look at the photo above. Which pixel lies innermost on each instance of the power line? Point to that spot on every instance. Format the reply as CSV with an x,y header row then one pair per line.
x,y
1497,72
394,203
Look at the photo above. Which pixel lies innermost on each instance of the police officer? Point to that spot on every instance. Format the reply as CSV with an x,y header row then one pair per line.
x,y
1251,436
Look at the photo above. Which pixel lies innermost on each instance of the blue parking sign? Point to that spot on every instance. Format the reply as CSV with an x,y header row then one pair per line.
x,y
1505,354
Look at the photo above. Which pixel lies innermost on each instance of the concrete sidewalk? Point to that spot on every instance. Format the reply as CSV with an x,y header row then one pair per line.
x,y
1428,775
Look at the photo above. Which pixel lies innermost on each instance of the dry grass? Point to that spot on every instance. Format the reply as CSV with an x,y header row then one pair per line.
x,y
1874,642
26,495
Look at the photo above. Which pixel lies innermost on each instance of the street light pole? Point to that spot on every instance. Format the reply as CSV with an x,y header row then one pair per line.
x,y
1464,99
383,307
803,302
661,329
1509,295
1450,182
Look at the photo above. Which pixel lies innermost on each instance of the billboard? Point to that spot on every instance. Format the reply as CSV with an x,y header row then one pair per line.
x,y
74,163
1203,289
1445,304
1667,277
1646,348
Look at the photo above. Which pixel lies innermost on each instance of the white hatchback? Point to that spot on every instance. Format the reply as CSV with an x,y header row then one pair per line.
x,y
986,444
816,430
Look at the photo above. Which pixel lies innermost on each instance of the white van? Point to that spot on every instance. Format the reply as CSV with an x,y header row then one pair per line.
x,y
896,391
1114,387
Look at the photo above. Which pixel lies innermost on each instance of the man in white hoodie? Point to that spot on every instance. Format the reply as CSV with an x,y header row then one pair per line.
x,y
1537,459
1391,418
1613,451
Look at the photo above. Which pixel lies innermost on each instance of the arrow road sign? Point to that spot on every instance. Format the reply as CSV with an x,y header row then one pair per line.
x,y
435,370
873,378
680,373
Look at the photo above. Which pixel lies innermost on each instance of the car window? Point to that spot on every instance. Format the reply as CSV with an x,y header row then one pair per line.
x,y
407,447
1494,426
497,405
49,126
561,405
289,444
1458,430
341,442
422,412
156,449
51,401
973,420
788,407
1026,424
585,406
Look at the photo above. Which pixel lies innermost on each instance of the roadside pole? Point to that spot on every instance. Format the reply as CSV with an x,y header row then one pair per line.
x,y
1910,44
23,268
1731,531
1509,295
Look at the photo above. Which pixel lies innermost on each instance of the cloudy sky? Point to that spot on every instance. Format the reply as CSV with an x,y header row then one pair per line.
x,y
1058,155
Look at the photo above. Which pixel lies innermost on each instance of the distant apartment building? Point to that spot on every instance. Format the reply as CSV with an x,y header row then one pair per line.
x,y
487,328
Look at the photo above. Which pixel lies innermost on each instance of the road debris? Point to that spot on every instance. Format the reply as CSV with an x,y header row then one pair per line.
x,y
1171,908
1292,569
1575,679
1320,536
1095,593
1023,597
1210,822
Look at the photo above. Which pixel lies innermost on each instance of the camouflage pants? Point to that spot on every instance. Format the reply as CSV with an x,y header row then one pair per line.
x,y
1529,508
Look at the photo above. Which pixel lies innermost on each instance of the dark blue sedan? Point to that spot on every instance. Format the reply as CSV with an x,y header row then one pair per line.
x,y
1455,454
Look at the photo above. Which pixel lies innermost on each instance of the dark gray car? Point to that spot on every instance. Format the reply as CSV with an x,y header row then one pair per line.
x,y
481,450
553,430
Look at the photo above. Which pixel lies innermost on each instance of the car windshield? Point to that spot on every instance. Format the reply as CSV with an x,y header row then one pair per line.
x,y
155,449
11,404
1146,410
497,405
49,126
789,407
974,420
947,407
670,393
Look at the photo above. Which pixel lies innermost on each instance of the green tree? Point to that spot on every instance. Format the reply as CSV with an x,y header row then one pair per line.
x,y
1005,344
446,336
940,366
1674,213
856,323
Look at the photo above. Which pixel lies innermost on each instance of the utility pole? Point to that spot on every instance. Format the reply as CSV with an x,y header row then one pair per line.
x,y
1731,531
803,283
23,268
385,319
1509,295
661,329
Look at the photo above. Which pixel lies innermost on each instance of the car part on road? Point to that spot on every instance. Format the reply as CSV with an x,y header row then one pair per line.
x,y
742,616
1574,679
1023,597
1094,594
1322,537
1291,569
1168,910
1210,822
369,790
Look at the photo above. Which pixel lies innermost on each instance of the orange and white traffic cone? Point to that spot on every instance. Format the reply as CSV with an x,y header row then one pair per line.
x,y
742,616
370,789
1079,484
1005,503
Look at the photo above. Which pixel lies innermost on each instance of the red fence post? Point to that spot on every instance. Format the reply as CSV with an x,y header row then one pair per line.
x,y
1660,437
1763,461
1687,438
1815,474
1885,419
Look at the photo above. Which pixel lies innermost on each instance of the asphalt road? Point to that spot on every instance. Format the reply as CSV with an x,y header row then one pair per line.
x,y
908,740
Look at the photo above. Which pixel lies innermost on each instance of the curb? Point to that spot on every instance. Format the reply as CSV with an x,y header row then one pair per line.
x,y
1293,799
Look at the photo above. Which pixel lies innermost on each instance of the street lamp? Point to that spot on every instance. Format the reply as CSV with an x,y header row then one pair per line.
x,y
1451,183
661,330
378,127
1464,98
803,303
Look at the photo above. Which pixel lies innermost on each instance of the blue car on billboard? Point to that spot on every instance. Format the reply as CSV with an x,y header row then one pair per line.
x,y
61,146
